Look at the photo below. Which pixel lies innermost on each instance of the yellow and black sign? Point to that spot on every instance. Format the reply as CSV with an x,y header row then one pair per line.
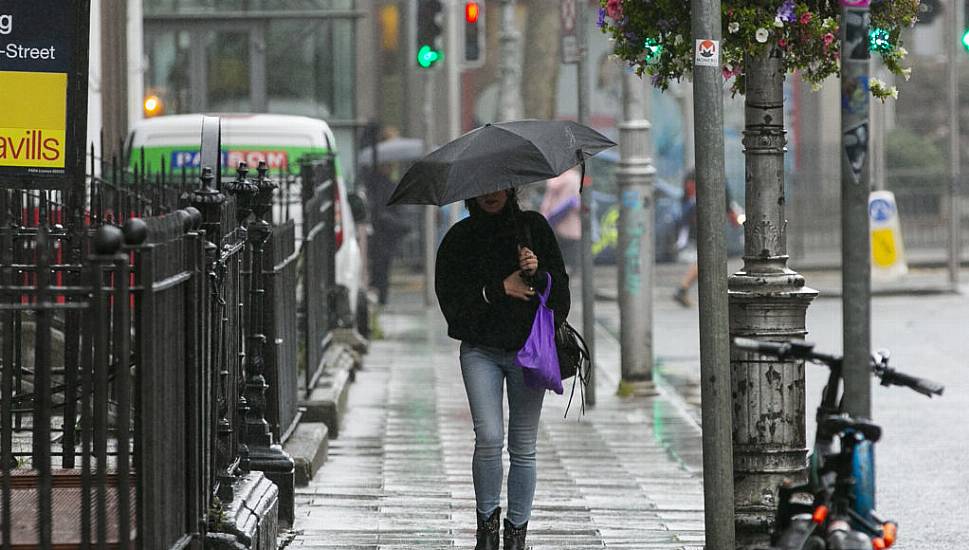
x,y
33,119
40,113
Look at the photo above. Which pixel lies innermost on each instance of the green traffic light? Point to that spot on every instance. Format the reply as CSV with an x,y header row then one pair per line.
x,y
653,49
428,56
965,40
879,40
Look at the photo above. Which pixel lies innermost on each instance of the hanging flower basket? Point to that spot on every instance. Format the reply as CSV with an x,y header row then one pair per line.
x,y
654,37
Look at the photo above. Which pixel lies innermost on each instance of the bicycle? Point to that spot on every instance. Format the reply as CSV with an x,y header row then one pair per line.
x,y
835,508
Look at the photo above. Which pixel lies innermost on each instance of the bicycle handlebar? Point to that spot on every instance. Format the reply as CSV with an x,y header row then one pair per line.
x,y
891,377
800,349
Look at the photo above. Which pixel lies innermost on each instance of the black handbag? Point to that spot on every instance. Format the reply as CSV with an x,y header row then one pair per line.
x,y
574,360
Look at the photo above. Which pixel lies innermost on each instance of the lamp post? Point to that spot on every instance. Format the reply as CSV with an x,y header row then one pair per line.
x,y
635,178
767,300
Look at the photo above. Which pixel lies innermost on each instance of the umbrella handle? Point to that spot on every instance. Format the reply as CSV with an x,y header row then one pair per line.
x,y
582,176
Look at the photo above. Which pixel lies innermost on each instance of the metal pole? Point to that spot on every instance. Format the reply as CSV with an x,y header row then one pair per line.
x,y
879,128
707,99
585,212
635,244
509,67
430,212
855,188
452,63
955,168
768,301
114,72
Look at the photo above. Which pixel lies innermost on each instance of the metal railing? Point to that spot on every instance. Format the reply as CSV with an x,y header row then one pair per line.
x,y
142,369
814,233
319,265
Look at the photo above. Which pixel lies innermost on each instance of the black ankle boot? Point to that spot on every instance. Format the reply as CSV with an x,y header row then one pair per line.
x,y
515,536
487,532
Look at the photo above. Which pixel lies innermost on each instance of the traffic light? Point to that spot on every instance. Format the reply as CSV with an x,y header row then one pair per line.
x,y
879,40
474,34
652,50
965,26
430,18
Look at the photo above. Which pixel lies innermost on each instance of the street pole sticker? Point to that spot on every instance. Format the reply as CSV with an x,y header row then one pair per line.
x,y
37,42
707,53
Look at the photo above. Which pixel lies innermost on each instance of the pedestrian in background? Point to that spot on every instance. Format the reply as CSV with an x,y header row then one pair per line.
x,y
486,283
688,234
560,206
389,225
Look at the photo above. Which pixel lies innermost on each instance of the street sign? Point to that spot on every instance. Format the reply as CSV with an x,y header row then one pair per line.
x,y
43,92
569,36
887,251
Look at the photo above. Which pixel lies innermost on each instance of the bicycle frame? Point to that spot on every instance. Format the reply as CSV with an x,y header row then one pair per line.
x,y
841,483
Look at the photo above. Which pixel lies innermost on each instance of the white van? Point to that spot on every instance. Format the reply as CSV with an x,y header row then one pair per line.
x,y
280,140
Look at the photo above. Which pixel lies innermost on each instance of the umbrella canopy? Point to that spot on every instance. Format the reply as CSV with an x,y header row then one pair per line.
x,y
393,150
498,156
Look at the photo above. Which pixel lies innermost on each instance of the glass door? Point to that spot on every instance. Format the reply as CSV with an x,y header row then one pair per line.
x,y
206,67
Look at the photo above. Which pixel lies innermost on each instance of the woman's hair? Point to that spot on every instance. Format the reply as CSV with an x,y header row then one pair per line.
x,y
475,210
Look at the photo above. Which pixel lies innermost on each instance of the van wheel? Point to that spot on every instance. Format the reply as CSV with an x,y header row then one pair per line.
x,y
363,315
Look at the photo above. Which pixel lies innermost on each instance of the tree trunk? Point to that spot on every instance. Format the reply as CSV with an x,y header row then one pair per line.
x,y
540,66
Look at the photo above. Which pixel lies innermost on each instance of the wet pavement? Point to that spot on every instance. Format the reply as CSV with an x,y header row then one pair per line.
x,y
624,476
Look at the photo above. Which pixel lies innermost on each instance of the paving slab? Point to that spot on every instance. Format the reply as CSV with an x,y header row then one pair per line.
x,y
399,475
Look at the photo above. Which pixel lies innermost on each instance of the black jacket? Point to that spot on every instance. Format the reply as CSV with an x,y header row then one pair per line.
x,y
474,259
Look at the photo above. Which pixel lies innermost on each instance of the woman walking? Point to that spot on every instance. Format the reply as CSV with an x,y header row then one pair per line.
x,y
486,282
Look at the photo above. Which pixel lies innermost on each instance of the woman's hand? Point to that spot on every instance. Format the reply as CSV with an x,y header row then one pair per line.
x,y
527,261
516,287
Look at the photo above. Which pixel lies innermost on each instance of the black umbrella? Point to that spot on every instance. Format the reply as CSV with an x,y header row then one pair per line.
x,y
498,156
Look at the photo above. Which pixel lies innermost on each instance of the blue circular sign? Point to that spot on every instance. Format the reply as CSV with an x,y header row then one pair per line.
x,y
880,210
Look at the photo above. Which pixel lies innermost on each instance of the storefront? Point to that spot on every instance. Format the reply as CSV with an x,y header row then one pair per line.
x,y
254,56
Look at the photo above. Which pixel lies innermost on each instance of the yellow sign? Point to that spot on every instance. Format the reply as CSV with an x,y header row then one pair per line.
x,y
33,119
883,249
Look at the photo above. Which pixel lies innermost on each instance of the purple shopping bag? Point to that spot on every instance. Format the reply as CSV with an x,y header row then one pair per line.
x,y
538,357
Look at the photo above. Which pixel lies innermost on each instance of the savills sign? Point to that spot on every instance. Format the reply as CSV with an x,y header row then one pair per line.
x,y
43,82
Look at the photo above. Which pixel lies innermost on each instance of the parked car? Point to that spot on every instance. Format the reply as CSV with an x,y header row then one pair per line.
x,y
281,141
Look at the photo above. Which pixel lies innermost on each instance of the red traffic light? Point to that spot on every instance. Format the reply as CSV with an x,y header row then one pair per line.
x,y
471,12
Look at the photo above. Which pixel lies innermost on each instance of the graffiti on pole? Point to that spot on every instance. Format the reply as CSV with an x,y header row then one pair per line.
x,y
856,35
855,86
632,212
856,148
854,95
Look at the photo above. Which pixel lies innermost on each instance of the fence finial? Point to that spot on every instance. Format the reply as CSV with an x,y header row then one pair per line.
x,y
135,231
107,240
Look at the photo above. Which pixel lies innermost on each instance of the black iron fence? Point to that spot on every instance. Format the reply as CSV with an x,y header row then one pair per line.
x,y
151,349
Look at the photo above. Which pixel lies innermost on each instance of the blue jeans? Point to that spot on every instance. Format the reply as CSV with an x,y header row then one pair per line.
x,y
486,370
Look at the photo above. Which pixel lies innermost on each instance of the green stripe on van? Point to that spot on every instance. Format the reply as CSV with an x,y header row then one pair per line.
x,y
176,157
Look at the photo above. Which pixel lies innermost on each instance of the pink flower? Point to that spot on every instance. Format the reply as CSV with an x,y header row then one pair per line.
x,y
729,71
828,39
614,9
806,18
782,43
